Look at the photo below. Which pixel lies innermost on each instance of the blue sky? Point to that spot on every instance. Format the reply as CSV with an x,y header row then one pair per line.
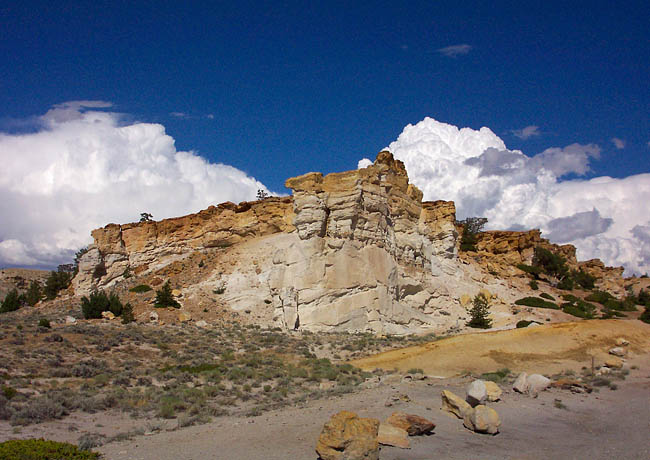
x,y
295,88
277,89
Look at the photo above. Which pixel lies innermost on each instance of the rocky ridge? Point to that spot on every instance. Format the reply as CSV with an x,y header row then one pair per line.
x,y
351,251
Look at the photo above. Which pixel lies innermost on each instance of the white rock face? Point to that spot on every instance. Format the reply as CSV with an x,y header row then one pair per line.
x,y
537,383
521,383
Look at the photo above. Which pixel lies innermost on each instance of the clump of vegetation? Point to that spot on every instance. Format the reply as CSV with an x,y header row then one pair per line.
x,y
583,279
645,316
547,296
550,263
612,303
554,265
525,323
12,302
471,226
40,449
127,314
34,293
533,285
140,288
497,376
57,281
479,313
531,270
44,322
537,303
100,302
164,297
578,307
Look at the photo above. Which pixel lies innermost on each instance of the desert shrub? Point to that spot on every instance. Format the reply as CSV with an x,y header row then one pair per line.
x,y
479,313
643,298
44,322
40,449
547,296
600,296
127,314
533,285
645,316
164,297
612,303
12,302
579,308
38,410
415,370
583,279
57,281
497,376
530,269
524,323
100,302
552,264
140,288
34,293
566,283
537,303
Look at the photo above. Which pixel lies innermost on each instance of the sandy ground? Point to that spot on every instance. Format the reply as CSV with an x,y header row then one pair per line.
x,y
603,425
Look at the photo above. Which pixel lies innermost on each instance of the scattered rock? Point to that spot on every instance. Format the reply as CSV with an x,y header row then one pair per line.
x,y
201,323
108,315
537,383
493,391
413,424
390,435
482,419
521,384
618,351
455,404
622,342
614,362
604,370
184,316
176,293
574,386
476,393
348,437
70,320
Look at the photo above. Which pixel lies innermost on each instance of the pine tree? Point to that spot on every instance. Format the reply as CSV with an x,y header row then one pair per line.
x,y
480,313
164,297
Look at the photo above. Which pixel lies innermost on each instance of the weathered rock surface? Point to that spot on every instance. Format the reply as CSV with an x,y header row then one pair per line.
x,y
482,419
537,383
618,351
414,425
521,383
476,393
390,435
455,404
346,436
493,390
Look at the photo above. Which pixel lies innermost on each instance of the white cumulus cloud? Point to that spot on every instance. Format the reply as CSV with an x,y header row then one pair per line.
x,y
84,168
603,217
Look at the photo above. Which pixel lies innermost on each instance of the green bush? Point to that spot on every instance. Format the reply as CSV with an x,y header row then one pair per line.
x,y
100,302
643,298
524,323
583,279
127,314
479,313
612,303
645,316
533,285
537,303
547,296
57,281
471,226
552,264
34,293
531,270
579,308
40,449
44,322
12,302
164,297
140,288
566,283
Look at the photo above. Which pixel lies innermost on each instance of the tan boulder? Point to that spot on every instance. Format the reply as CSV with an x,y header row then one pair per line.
x,y
614,362
413,424
493,391
465,300
390,435
108,315
176,292
184,316
482,419
455,404
618,351
622,342
348,437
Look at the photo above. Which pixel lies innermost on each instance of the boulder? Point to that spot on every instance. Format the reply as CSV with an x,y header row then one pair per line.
x,y
414,425
346,436
70,320
184,316
521,383
482,419
618,351
390,435
202,323
476,393
614,362
493,391
537,383
455,404
622,342
108,315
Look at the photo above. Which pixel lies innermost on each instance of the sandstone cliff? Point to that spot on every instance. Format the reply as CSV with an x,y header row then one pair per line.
x,y
353,251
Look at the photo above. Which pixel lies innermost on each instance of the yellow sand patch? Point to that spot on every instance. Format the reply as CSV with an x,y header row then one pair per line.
x,y
546,349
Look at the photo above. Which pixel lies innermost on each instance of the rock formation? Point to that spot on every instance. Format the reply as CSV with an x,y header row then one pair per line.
x,y
350,251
